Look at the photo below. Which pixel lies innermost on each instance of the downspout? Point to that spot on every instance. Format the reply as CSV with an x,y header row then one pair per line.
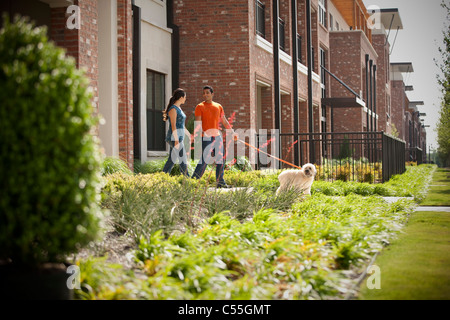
x,y
375,97
370,94
276,63
310,66
276,70
175,45
295,74
136,81
367,92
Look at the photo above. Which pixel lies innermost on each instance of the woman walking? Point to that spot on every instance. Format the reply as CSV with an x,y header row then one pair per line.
x,y
175,133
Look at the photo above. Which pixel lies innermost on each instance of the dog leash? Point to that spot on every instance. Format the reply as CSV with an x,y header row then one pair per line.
x,y
259,150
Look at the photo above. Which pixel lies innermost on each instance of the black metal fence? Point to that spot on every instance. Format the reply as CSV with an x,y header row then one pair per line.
x,y
414,155
351,156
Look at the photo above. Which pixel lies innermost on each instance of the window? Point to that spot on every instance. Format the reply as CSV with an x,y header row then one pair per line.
x,y
322,73
337,26
155,106
331,23
299,48
323,124
322,13
281,34
410,134
260,19
312,59
388,102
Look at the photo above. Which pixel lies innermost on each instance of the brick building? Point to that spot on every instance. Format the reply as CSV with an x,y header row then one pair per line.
x,y
405,115
125,47
253,52
231,47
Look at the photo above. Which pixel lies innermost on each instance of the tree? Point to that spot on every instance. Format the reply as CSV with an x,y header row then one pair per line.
x,y
443,125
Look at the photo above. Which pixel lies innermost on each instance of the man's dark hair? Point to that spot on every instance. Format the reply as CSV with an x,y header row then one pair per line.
x,y
208,87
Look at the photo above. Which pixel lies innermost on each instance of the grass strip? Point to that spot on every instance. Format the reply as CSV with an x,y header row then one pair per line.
x,y
439,190
415,266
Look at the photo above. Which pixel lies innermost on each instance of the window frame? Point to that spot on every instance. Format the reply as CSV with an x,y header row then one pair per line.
x,y
323,62
282,34
155,144
322,13
299,48
260,8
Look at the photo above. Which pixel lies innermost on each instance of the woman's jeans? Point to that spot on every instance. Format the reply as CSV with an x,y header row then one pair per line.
x,y
174,156
210,145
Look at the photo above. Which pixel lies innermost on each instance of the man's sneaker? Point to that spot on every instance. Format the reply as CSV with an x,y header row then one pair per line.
x,y
223,185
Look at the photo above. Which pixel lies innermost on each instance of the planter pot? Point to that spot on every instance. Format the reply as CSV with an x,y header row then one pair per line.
x,y
46,282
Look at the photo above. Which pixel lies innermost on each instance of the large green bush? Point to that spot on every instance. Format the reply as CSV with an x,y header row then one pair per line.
x,y
50,159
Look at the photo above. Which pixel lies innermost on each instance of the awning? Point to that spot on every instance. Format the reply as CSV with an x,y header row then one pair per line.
x,y
390,18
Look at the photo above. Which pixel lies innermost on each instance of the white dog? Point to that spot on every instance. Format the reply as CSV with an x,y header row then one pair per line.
x,y
298,179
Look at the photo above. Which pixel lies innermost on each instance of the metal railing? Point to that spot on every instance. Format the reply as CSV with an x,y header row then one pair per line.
x,y
351,156
414,155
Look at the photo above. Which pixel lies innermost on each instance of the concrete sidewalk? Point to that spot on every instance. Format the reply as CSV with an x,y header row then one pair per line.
x,y
430,208
419,208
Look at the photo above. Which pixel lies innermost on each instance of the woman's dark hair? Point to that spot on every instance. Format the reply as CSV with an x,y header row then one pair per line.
x,y
176,95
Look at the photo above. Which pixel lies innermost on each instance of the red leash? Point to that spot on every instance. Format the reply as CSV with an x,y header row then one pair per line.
x,y
259,150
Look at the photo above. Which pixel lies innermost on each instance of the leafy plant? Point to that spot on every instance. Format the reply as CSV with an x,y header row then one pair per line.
x,y
50,163
113,164
155,166
254,245
273,255
345,150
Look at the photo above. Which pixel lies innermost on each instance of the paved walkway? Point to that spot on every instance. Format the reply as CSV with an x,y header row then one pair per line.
x,y
419,208
429,208
230,189
395,199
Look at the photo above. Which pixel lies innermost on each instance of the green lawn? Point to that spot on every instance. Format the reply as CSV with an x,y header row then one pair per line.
x,y
439,190
417,264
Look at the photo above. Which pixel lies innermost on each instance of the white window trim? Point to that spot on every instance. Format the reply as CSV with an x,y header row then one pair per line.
x,y
323,13
153,154
267,46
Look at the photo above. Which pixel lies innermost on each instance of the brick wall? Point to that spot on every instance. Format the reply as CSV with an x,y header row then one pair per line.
x,y
383,92
88,43
218,41
287,114
398,107
348,50
125,80
62,36
214,42
267,110
82,44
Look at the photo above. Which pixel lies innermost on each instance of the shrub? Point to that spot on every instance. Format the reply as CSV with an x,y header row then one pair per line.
x,y
345,149
113,165
50,163
155,166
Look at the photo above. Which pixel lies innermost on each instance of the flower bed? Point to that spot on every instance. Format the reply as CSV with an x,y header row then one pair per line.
x,y
241,245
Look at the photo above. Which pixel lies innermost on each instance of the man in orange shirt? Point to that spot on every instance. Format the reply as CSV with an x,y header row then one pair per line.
x,y
211,114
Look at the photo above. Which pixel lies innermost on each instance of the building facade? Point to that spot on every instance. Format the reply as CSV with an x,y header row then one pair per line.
x,y
253,52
